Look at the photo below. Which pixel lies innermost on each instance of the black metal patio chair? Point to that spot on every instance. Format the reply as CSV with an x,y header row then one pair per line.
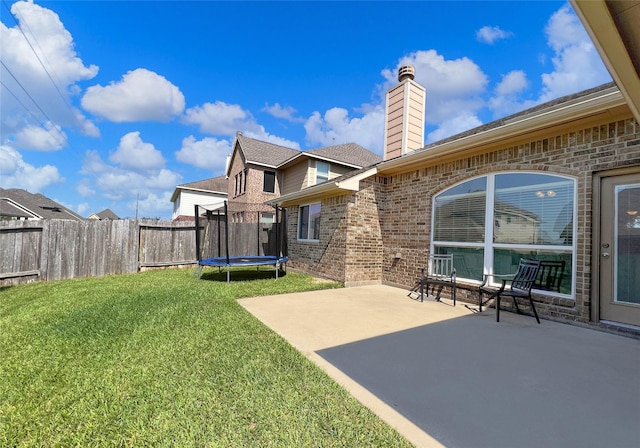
x,y
516,286
439,272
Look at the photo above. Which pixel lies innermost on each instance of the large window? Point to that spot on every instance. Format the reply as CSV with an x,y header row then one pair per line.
x,y
269,184
490,222
322,172
309,222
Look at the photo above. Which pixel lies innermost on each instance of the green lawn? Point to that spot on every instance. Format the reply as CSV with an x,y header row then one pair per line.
x,y
163,359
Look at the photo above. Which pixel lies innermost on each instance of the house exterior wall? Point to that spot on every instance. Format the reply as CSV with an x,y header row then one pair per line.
x,y
363,233
350,247
407,207
184,205
295,177
246,206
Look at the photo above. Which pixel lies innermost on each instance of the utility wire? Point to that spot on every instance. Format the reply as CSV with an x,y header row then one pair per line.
x,y
34,101
22,104
64,99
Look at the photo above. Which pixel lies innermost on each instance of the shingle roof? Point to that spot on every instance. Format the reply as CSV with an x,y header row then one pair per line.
x,y
39,204
219,184
264,153
349,153
107,214
536,110
8,209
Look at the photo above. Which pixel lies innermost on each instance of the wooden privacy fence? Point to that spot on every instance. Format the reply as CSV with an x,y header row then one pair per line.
x,y
60,249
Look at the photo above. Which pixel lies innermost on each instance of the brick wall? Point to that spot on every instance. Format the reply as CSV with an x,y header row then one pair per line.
x,y
250,201
361,233
406,208
350,246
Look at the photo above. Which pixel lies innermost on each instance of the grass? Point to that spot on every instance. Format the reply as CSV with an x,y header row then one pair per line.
x,y
163,359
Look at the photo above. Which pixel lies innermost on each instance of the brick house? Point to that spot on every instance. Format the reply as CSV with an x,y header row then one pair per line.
x,y
560,181
259,172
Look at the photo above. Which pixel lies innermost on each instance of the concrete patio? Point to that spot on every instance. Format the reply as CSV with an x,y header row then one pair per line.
x,y
444,376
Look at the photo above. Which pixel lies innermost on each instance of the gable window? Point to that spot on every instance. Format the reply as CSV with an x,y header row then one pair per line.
x,y
490,222
322,172
269,184
309,222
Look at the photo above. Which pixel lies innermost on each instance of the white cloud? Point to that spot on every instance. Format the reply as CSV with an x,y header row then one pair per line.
x,y
455,125
454,86
491,34
84,189
55,49
153,205
133,153
118,183
16,173
141,95
506,100
287,113
220,118
51,138
208,153
577,65
336,127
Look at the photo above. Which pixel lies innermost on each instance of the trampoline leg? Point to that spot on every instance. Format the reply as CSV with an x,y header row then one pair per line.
x,y
277,269
228,275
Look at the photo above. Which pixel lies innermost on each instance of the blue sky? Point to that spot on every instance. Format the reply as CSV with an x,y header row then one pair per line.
x,y
140,96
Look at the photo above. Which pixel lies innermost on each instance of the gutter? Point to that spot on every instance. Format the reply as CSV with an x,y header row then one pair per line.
x,y
516,126
329,188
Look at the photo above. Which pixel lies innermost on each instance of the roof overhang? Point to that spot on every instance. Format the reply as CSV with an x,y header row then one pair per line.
x,y
304,154
323,190
593,106
615,31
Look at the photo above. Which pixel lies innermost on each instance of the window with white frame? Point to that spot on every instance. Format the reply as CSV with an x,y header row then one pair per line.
x,y
267,218
490,222
309,222
322,172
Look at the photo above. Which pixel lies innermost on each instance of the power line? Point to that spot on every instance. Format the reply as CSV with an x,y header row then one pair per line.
x,y
22,104
18,24
34,101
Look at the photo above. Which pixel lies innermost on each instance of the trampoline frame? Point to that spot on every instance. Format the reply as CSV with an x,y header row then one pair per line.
x,y
252,260
228,261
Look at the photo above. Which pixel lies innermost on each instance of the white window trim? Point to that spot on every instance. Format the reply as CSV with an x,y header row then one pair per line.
x,y
328,172
489,212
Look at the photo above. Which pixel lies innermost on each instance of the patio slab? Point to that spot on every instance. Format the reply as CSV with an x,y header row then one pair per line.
x,y
444,376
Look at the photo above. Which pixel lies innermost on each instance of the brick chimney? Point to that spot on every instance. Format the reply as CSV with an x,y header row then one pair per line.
x,y
404,112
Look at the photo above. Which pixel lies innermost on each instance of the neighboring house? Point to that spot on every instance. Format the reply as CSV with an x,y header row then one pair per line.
x,y
210,192
560,181
18,204
260,171
104,214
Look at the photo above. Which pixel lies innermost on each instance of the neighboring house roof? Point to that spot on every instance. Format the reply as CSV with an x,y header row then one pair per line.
x,y
8,208
217,185
274,156
38,205
104,214
556,112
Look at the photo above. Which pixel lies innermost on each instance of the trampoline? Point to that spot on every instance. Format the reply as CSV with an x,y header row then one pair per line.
x,y
254,260
250,243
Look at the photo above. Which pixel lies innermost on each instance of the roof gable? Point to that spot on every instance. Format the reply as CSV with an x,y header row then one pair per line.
x,y
39,205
